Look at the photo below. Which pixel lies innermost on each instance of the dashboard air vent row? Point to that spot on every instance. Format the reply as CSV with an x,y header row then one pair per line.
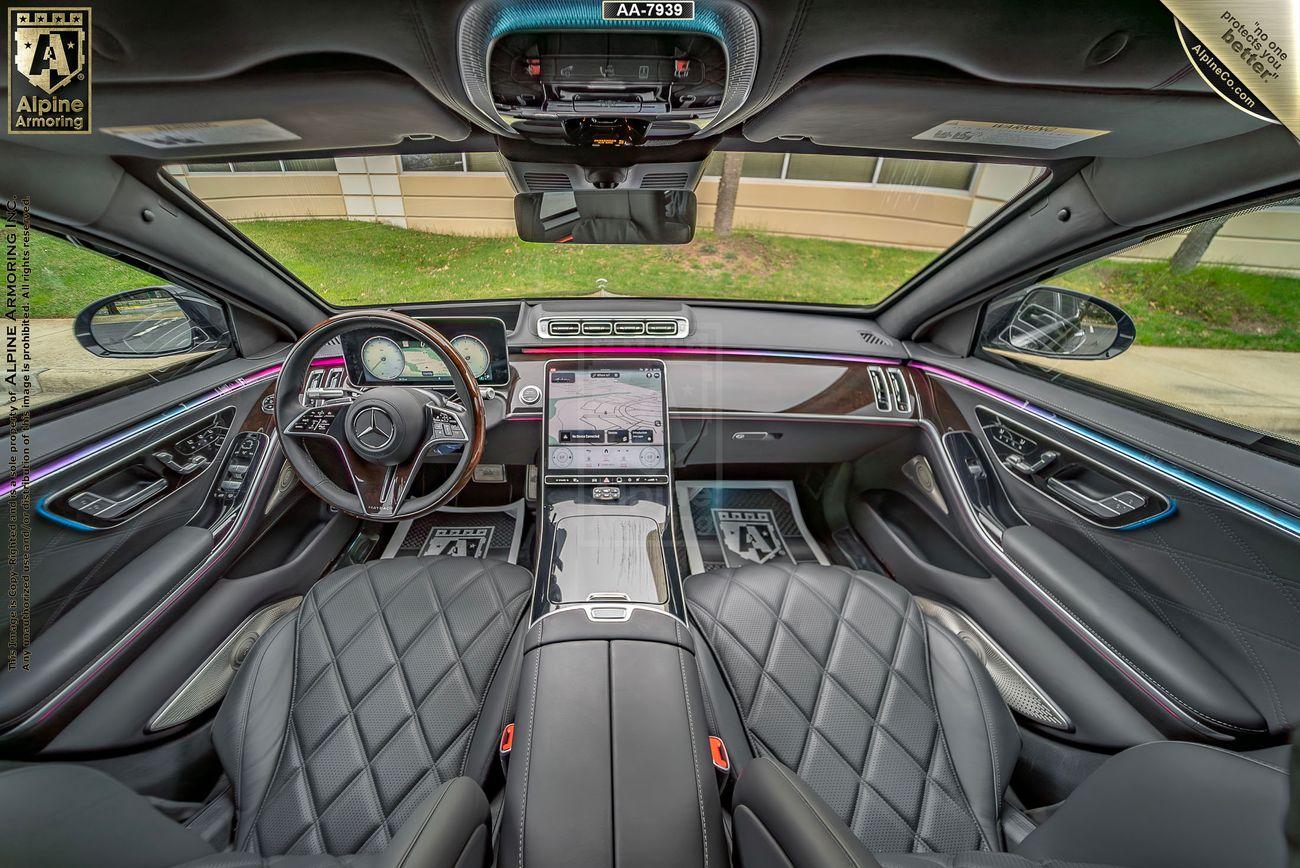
x,y
558,327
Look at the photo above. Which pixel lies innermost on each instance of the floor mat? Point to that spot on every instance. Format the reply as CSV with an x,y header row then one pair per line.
x,y
471,531
733,523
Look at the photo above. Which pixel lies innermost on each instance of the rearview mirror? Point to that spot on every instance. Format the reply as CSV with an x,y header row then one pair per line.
x,y
607,216
151,322
1058,323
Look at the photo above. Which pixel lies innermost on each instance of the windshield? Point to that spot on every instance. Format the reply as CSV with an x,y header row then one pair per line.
x,y
808,228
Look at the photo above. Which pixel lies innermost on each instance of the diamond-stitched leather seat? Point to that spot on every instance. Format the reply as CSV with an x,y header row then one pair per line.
x,y
860,710
392,663
363,723
830,672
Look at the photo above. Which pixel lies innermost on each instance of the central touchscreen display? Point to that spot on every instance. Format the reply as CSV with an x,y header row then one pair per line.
x,y
605,417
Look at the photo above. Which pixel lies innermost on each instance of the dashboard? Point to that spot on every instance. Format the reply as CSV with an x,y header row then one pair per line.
x,y
379,356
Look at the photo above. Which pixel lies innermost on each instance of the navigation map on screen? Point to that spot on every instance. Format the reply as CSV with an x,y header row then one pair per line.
x,y
605,419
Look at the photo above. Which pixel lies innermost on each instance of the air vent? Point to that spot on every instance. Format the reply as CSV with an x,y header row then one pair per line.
x,y
664,181
622,327
889,390
873,339
540,181
564,328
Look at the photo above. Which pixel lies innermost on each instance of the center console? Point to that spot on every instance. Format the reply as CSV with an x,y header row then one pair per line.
x,y
606,504
609,759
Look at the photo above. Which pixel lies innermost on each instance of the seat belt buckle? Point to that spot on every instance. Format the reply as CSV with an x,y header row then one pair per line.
x,y
507,740
721,759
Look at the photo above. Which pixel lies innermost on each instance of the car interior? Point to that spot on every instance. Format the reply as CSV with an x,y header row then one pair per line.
x,y
625,578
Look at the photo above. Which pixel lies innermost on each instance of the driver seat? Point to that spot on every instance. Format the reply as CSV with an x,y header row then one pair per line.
x,y
363,723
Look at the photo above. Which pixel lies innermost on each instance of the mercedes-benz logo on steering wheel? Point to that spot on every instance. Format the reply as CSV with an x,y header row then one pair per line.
x,y
374,428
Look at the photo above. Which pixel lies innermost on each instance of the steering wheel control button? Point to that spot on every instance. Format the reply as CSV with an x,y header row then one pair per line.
x,y
530,395
315,421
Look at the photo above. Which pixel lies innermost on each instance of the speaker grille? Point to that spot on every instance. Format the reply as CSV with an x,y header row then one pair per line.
x,y
1018,690
209,683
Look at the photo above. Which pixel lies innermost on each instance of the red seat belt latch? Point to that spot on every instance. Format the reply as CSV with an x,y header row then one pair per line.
x,y
721,760
507,738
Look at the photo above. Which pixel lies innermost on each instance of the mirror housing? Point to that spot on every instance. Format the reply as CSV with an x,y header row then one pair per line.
x,y
1057,323
152,322
606,216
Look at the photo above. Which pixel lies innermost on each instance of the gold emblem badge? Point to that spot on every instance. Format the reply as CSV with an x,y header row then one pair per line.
x,y
49,49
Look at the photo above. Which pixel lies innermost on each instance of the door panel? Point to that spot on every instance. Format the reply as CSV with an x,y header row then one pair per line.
x,y
941,548
191,481
1202,624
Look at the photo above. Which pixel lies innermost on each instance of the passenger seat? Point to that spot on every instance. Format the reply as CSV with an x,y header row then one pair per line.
x,y
865,736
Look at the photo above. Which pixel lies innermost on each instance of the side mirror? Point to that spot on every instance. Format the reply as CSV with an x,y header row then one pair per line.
x,y
152,322
1057,323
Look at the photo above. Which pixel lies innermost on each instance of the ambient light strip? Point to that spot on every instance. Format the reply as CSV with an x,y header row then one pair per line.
x,y
1249,505
50,468
704,351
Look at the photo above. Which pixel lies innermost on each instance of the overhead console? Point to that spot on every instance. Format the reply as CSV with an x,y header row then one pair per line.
x,y
564,74
607,89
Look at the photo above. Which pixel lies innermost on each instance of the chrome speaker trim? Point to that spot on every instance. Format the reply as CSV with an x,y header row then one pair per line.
x,y
208,684
1020,692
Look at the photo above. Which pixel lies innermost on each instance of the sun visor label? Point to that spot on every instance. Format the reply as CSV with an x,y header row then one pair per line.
x,y
203,133
1007,135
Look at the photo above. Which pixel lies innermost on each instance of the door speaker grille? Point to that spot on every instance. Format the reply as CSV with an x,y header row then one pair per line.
x,y
1018,690
209,683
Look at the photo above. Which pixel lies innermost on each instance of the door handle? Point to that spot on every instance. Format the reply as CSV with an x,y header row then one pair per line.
x,y
110,508
1106,507
168,461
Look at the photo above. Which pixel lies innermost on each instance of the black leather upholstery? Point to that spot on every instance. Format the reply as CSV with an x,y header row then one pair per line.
x,y
348,730
69,815
610,765
838,677
830,669
390,664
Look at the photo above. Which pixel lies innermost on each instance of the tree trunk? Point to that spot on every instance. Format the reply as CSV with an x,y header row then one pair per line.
x,y
728,184
1194,245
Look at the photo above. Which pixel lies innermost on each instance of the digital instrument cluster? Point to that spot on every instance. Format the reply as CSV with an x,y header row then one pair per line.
x,y
380,356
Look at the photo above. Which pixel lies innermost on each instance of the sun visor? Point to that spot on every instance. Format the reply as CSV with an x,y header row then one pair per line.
x,y
975,118
260,113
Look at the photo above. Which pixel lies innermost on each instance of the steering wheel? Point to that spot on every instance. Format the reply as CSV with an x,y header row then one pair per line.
x,y
382,433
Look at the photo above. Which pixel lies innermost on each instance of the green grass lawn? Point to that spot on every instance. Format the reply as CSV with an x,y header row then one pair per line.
x,y
353,263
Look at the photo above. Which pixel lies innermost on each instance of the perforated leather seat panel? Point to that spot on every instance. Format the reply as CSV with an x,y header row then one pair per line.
x,y
391,664
830,671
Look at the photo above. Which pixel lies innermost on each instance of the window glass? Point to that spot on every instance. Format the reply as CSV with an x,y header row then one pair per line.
x,y
258,166
432,163
325,164
208,167
927,173
66,278
484,162
825,167
1217,314
761,165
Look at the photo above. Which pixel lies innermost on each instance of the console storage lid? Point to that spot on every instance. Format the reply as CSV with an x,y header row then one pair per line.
x,y
610,764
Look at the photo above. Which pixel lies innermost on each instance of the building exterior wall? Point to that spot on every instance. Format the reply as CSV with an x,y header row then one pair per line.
x,y
481,203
